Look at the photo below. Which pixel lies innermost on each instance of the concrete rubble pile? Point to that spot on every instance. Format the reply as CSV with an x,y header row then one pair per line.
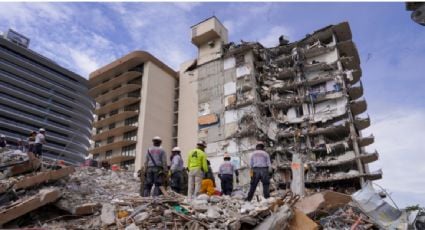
x,y
63,197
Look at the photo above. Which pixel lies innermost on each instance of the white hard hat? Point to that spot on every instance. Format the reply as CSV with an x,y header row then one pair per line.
x,y
202,143
176,149
42,130
156,138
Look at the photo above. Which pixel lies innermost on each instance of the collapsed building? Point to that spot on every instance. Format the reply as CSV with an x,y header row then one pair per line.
x,y
303,99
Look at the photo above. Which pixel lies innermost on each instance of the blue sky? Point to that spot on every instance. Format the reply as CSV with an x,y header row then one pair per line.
x,y
85,36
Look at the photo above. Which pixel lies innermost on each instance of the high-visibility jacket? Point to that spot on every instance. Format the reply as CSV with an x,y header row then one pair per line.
x,y
197,159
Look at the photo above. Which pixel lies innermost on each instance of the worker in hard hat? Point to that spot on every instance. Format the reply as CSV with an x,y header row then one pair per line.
x,y
197,166
156,167
225,173
261,167
40,140
176,170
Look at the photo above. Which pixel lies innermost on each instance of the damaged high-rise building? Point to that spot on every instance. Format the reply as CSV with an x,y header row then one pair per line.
x,y
303,99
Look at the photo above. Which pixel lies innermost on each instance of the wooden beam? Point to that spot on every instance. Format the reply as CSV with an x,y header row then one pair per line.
x,y
25,206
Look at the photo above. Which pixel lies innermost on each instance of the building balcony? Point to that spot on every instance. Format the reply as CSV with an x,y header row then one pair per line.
x,y
115,118
116,105
356,92
365,141
335,161
123,78
358,107
361,123
111,146
353,76
346,177
118,131
347,49
13,81
317,51
127,88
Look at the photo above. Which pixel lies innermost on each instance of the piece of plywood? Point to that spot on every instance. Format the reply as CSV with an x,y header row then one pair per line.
x,y
326,201
301,221
208,119
43,197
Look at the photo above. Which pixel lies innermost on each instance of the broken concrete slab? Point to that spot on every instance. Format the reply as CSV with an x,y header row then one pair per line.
x,y
22,167
78,210
21,207
322,202
108,214
43,177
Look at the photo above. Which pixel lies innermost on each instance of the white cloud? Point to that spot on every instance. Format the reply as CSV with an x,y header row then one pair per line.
x,y
58,35
399,138
187,6
83,61
272,37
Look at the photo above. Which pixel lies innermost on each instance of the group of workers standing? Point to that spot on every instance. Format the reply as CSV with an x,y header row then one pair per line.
x,y
35,142
199,171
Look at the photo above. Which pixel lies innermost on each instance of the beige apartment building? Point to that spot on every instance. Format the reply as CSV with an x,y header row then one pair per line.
x,y
135,101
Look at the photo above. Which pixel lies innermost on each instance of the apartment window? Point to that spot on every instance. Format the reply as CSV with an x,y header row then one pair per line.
x,y
131,121
132,107
95,156
135,93
104,92
113,112
115,99
129,150
239,60
108,154
97,144
99,130
129,165
110,140
112,126
130,136
116,87
299,111
101,117
138,68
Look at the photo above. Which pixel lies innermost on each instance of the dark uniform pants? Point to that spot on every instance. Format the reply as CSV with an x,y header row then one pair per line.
x,y
226,184
176,181
154,176
38,149
260,174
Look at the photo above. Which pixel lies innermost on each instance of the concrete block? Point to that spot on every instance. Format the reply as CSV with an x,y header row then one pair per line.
x,y
230,129
242,71
229,63
229,88
230,101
